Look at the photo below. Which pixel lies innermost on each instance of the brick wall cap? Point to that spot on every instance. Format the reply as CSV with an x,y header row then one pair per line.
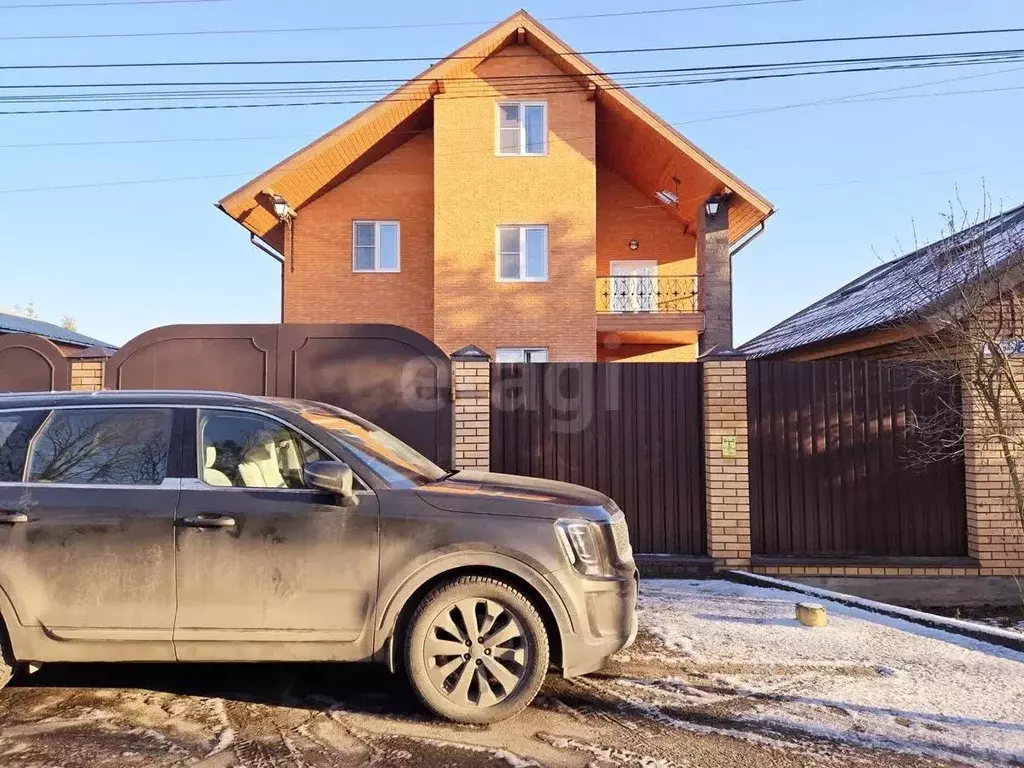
x,y
90,352
470,353
722,353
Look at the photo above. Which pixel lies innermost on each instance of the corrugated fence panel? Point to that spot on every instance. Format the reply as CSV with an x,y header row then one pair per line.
x,y
630,430
836,461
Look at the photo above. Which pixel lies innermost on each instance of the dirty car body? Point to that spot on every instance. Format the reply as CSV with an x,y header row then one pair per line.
x,y
189,526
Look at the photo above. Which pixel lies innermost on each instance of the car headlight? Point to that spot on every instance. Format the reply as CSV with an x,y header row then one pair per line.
x,y
585,545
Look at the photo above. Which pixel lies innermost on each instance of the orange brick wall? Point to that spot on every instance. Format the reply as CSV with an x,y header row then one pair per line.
x,y
476,191
995,533
449,190
726,478
324,289
624,214
472,413
86,375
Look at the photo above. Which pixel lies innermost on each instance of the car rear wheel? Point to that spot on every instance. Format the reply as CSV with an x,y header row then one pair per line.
x,y
477,650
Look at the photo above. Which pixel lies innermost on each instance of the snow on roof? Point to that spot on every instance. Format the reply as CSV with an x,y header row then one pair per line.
x,y
19,324
896,291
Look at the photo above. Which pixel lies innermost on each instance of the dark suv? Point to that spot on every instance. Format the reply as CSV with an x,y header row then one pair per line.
x,y
193,526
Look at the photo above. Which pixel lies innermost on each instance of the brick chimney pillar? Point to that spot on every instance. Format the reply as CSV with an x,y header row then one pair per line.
x,y
716,267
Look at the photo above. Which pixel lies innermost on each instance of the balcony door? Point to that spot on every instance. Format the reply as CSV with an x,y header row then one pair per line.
x,y
634,286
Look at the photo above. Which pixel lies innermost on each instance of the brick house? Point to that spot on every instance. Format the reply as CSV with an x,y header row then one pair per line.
x,y
514,198
879,314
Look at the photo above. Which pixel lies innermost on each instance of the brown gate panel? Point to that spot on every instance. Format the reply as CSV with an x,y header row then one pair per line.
x,y
630,430
221,358
837,467
30,363
387,374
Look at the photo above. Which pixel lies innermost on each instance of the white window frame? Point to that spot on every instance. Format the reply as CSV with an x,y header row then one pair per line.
x,y
376,245
523,228
522,128
522,353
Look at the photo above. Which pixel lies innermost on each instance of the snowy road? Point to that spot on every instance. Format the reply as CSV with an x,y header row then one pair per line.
x,y
721,676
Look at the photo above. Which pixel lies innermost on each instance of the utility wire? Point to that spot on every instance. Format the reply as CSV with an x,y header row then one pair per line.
x,y
370,27
528,92
557,76
850,98
393,59
96,4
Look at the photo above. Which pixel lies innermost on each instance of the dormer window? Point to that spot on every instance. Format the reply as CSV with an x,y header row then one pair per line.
x,y
522,128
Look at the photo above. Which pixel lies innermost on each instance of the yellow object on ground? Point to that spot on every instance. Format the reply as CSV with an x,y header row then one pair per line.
x,y
811,614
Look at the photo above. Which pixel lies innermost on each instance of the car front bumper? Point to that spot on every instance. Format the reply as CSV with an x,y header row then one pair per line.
x,y
606,621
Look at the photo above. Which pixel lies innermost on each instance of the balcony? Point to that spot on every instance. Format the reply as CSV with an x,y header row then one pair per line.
x,y
649,303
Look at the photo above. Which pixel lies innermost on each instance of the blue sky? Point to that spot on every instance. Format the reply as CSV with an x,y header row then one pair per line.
x,y
852,182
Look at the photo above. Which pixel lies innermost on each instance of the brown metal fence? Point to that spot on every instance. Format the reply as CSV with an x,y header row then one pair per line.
x,y
385,373
631,430
837,461
30,363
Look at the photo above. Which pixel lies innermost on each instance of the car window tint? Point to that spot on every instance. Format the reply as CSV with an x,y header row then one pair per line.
x,y
243,450
16,430
102,446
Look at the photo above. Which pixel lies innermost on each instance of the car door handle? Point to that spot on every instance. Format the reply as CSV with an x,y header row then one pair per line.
x,y
10,516
209,521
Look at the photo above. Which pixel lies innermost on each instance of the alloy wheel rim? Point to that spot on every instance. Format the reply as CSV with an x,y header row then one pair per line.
x,y
476,652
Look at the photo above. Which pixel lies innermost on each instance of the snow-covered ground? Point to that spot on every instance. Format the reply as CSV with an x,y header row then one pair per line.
x,y
864,679
721,676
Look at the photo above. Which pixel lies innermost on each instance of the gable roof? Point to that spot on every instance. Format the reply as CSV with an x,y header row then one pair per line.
x,y
18,324
898,291
377,130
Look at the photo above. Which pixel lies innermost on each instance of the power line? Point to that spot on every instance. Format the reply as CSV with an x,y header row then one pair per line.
x,y
848,98
564,76
98,3
120,142
519,93
851,98
535,80
606,51
508,92
371,27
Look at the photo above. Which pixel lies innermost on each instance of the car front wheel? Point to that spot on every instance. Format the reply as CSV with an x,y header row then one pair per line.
x,y
477,650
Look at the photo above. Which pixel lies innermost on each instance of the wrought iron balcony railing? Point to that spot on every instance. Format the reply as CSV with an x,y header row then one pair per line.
x,y
643,294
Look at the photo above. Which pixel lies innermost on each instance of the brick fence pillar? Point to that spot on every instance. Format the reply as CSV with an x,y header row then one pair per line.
x,y
727,485
87,369
471,373
995,534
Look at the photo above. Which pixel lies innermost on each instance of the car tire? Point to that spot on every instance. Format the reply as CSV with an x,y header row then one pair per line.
x,y
488,681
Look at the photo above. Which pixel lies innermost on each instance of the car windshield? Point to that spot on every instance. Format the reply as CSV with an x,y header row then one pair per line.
x,y
397,463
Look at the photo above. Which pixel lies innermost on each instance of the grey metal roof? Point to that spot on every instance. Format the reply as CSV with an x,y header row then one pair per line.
x,y
18,324
900,289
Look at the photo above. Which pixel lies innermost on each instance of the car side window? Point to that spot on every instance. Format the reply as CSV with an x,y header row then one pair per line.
x,y
243,450
16,430
102,446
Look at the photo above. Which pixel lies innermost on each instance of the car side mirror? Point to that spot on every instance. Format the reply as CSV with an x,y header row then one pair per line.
x,y
334,477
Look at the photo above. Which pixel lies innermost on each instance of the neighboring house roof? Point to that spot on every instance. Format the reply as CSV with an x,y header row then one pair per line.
x,y
658,152
897,291
18,324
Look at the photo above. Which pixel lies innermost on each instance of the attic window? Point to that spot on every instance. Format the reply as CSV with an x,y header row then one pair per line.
x,y
522,128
